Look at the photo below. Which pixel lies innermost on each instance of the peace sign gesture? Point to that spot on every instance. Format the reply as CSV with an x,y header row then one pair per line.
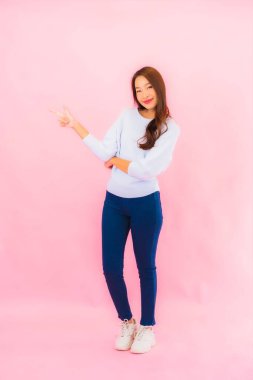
x,y
65,118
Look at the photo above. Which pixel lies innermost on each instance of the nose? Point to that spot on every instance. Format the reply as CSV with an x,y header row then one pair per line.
x,y
146,94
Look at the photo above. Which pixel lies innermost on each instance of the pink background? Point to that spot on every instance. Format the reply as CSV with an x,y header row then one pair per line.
x,y
52,290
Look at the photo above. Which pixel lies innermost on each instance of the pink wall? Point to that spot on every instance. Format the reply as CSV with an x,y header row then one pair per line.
x,y
83,54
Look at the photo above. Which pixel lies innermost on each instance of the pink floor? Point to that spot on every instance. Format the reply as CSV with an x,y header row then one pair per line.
x,y
70,341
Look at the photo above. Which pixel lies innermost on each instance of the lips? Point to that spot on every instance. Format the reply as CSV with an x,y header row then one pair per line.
x,y
147,101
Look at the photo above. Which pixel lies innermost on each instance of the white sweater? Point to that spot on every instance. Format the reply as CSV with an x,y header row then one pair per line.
x,y
121,141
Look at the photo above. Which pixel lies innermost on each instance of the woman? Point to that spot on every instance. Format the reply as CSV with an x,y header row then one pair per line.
x,y
132,200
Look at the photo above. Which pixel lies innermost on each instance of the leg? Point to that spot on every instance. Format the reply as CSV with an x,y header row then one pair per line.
x,y
146,223
115,229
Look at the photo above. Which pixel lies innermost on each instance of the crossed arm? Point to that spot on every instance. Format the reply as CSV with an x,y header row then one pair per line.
x,y
155,162
120,163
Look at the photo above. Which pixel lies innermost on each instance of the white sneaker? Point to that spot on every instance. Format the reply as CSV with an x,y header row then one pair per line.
x,y
144,340
127,333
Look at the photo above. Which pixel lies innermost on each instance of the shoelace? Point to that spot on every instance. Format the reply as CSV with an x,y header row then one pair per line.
x,y
124,327
140,333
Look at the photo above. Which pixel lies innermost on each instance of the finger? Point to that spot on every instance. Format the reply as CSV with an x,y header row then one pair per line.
x,y
67,111
64,118
64,122
54,111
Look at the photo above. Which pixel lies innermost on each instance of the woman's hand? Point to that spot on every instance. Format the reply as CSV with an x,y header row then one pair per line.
x,y
108,164
65,118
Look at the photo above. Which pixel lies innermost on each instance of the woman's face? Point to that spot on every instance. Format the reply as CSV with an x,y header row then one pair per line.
x,y
145,91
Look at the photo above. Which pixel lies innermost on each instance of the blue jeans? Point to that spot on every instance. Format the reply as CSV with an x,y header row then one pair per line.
x,y
143,215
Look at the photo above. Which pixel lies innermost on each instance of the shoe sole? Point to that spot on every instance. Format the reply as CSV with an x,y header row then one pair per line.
x,y
123,348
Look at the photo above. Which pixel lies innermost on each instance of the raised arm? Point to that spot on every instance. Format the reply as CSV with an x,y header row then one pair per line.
x,y
104,149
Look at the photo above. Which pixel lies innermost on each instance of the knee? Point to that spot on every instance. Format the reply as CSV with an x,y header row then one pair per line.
x,y
147,272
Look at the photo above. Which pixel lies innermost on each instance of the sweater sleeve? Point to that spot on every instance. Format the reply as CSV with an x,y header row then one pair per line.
x,y
158,158
108,147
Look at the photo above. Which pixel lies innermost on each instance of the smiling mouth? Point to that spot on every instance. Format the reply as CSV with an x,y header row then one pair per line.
x,y
147,101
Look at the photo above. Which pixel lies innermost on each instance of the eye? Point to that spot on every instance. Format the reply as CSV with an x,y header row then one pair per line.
x,y
148,87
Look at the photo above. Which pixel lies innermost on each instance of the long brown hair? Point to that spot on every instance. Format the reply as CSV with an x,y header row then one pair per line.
x,y
154,127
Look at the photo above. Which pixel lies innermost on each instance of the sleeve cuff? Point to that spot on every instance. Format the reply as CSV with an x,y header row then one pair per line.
x,y
89,140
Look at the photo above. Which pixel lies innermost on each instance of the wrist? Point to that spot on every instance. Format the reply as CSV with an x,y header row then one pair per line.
x,y
113,160
75,124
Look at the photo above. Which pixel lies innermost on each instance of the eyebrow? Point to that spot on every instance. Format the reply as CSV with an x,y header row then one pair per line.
x,y
144,85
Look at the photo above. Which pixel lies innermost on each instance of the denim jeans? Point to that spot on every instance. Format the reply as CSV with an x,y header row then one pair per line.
x,y
144,217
